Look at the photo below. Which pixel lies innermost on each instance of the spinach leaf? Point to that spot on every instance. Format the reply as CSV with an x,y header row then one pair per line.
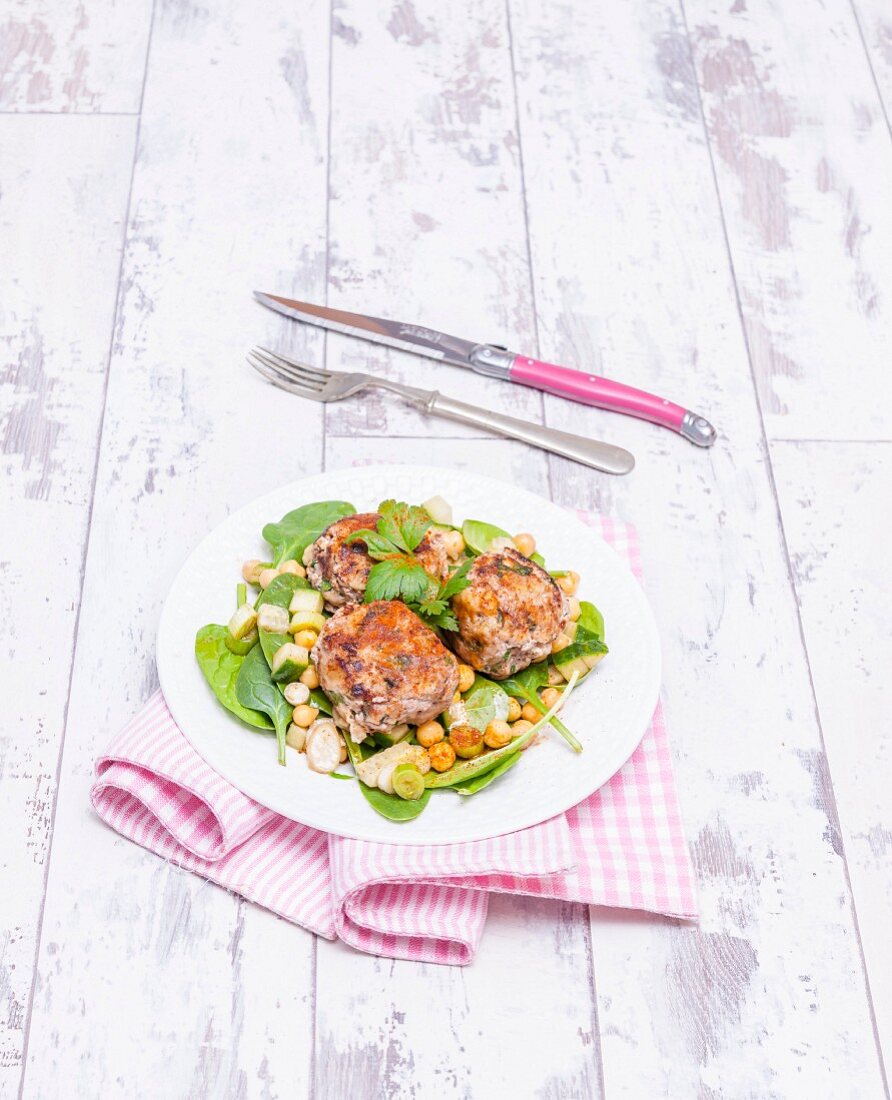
x,y
320,700
280,590
221,669
526,685
589,637
478,535
295,531
472,786
486,702
254,688
390,806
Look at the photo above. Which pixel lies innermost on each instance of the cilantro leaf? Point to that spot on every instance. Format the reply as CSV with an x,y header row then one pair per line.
x,y
405,525
456,582
377,545
397,578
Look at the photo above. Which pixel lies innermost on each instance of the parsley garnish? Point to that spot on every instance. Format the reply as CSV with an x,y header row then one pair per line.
x,y
398,574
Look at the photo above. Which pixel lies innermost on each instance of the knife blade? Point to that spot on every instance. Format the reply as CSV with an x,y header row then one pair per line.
x,y
498,362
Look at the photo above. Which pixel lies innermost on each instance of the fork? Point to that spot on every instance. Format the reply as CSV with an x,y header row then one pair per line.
x,y
330,385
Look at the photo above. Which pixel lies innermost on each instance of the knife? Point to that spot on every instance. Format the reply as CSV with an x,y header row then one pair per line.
x,y
496,361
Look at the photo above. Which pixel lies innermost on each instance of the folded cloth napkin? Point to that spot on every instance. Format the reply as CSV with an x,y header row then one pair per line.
x,y
624,846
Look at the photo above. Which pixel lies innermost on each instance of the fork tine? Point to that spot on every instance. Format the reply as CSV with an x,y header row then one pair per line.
x,y
288,365
284,383
294,374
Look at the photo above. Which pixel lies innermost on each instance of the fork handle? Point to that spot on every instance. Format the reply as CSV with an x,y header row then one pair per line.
x,y
590,452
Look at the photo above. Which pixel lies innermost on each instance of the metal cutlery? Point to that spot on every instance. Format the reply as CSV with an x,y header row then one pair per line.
x,y
498,362
329,385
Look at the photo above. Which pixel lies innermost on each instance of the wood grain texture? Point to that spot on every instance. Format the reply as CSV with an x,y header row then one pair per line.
x,y
427,221
803,158
147,975
75,57
767,997
838,522
596,182
61,242
875,23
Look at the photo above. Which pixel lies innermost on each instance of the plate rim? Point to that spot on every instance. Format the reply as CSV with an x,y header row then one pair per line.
x,y
642,716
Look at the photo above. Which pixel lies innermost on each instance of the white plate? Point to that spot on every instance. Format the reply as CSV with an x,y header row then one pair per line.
x,y
609,712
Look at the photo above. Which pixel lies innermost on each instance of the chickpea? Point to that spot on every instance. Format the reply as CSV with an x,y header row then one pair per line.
x,y
455,544
266,577
442,756
575,609
514,709
466,741
465,677
293,567
251,571
569,582
429,734
497,735
521,727
296,693
343,753
560,642
310,678
457,697
296,737
525,544
307,556
529,713
550,696
306,638
304,715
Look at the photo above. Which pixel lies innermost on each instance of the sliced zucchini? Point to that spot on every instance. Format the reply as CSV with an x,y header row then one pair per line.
x,y
570,629
272,619
567,668
243,621
306,599
289,662
306,620
439,510
391,737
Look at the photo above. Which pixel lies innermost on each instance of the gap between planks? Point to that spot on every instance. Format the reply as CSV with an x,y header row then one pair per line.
x,y
26,1031
766,445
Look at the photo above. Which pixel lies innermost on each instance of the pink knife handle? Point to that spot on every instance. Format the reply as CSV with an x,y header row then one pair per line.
x,y
590,389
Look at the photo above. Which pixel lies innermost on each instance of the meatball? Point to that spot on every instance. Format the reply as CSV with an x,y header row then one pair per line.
x,y
509,614
340,569
381,666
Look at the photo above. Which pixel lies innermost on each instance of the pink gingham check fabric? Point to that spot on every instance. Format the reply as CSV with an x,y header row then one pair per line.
x,y
624,846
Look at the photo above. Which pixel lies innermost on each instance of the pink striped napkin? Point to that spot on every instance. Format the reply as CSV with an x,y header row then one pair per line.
x,y
624,846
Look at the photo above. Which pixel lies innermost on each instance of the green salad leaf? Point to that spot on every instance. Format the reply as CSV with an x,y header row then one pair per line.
x,y
296,530
221,668
397,578
478,535
589,637
387,805
472,786
254,689
526,685
486,702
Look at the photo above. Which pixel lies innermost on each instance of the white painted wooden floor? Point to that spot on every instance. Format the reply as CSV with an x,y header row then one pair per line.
x,y
692,196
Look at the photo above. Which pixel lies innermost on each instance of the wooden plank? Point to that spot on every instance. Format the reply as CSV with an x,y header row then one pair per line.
x,y
418,1030
146,974
803,160
426,200
838,522
61,240
73,57
875,22
767,996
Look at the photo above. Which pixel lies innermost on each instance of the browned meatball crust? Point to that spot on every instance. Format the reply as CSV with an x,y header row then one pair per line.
x,y
340,570
381,666
509,614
